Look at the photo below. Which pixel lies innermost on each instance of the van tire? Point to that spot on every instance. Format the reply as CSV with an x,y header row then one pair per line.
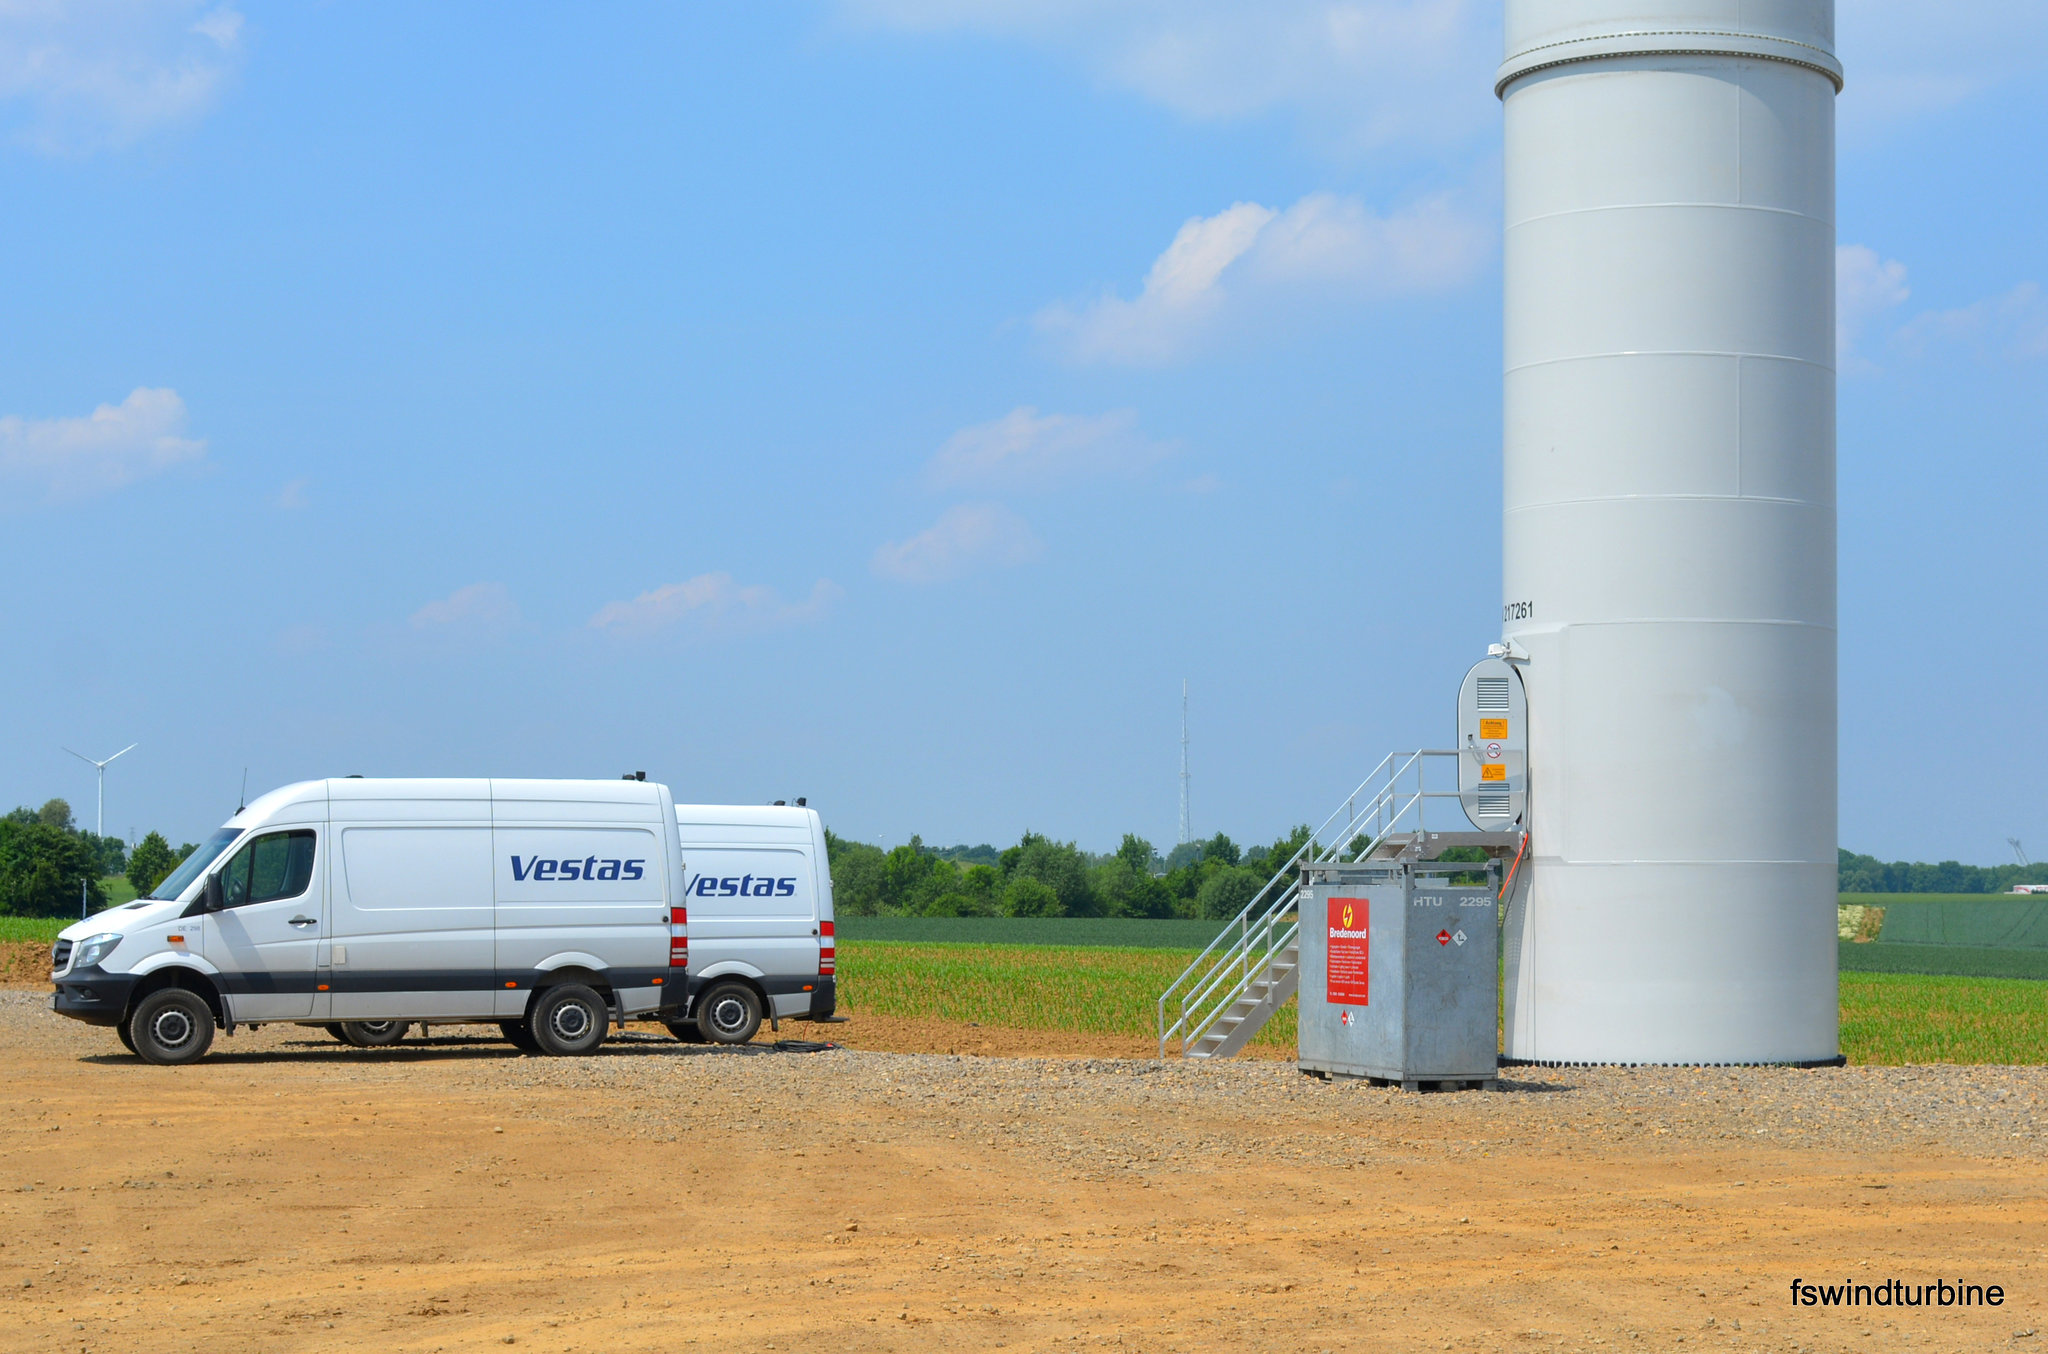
x,y
568,1020
517,1035
685,1030
729,1013
335,1030
373,1033
171,1026
127,1039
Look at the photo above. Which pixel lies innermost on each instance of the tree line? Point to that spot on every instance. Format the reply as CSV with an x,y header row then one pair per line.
x,y
48,863
1868,874
1040,877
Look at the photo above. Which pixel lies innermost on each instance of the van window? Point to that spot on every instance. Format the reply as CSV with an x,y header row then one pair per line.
x,y
195,864
275,865
750,882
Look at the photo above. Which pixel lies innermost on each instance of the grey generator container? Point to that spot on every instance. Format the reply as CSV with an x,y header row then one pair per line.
x,y
1400,972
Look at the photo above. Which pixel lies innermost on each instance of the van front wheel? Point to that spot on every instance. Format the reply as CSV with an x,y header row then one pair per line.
x,y
171,1025
729,1013
568,1021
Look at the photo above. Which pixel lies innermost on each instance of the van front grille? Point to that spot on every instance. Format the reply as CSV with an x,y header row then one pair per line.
x,y
60,957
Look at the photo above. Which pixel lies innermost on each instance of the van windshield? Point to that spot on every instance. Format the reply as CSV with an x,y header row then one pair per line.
x,y
174,883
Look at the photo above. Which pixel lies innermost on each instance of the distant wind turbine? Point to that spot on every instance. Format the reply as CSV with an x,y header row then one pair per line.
x,y
100,820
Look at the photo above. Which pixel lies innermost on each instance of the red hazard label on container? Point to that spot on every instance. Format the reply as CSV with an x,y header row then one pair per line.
x,y
1350,954
1443,937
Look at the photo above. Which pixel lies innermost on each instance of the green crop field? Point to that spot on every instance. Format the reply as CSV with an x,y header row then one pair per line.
x,y
1099,989
1893,1018
1887,1018
1104,976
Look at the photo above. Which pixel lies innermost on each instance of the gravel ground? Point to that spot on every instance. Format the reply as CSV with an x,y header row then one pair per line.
x,y
452,1194
649,1084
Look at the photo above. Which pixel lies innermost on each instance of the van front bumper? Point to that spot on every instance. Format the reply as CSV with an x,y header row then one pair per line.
x,y
92,995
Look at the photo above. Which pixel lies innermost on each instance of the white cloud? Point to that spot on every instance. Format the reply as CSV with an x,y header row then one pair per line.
x,y
1249,260
712,601
1865,287
1025,449
113,446
966,537
480,609
2013,325
76,77
1907,58
292,496
1383,73
1364,73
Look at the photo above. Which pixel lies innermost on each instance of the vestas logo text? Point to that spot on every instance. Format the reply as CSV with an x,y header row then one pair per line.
x,y
590,867
746,886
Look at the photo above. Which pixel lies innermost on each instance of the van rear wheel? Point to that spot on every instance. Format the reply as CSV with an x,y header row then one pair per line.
x,y
517,1035
568,1021
373,1033
685,1030
729,1013
171,1026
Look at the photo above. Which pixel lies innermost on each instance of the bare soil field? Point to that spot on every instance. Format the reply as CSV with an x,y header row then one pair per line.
x,y
293,1194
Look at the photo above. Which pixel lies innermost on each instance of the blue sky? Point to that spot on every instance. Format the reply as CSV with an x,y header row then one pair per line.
x,y
891,402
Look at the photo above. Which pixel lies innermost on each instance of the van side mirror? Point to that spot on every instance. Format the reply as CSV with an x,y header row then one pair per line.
x,y
213,897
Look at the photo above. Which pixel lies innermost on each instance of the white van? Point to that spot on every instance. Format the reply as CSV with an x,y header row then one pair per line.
x,y
551,908
758,890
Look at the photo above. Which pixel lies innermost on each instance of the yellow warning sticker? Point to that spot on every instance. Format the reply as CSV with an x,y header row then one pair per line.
x,y
1493,728
1493,772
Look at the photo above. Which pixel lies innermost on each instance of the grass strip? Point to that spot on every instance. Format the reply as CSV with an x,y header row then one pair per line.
x,y
42,930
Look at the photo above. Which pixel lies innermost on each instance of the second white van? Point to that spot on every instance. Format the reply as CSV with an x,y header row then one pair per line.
x,y
757,886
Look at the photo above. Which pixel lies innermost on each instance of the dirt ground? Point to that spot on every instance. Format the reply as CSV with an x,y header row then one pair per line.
x,y
292,1194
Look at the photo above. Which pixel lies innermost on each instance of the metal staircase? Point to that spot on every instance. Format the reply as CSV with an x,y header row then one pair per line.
x,y
1252,967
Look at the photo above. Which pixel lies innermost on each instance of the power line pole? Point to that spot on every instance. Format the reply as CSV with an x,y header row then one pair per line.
x,y
1187,832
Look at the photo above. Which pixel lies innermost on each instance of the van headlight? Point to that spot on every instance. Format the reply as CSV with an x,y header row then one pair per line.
x,y
93,949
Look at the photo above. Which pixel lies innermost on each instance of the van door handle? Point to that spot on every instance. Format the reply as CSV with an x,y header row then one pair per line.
x,y
305,921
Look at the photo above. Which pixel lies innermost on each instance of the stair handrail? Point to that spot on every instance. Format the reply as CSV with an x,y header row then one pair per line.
x,y
1194,991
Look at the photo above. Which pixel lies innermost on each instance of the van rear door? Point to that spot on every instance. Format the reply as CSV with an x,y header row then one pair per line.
x,y
751,907
582,873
